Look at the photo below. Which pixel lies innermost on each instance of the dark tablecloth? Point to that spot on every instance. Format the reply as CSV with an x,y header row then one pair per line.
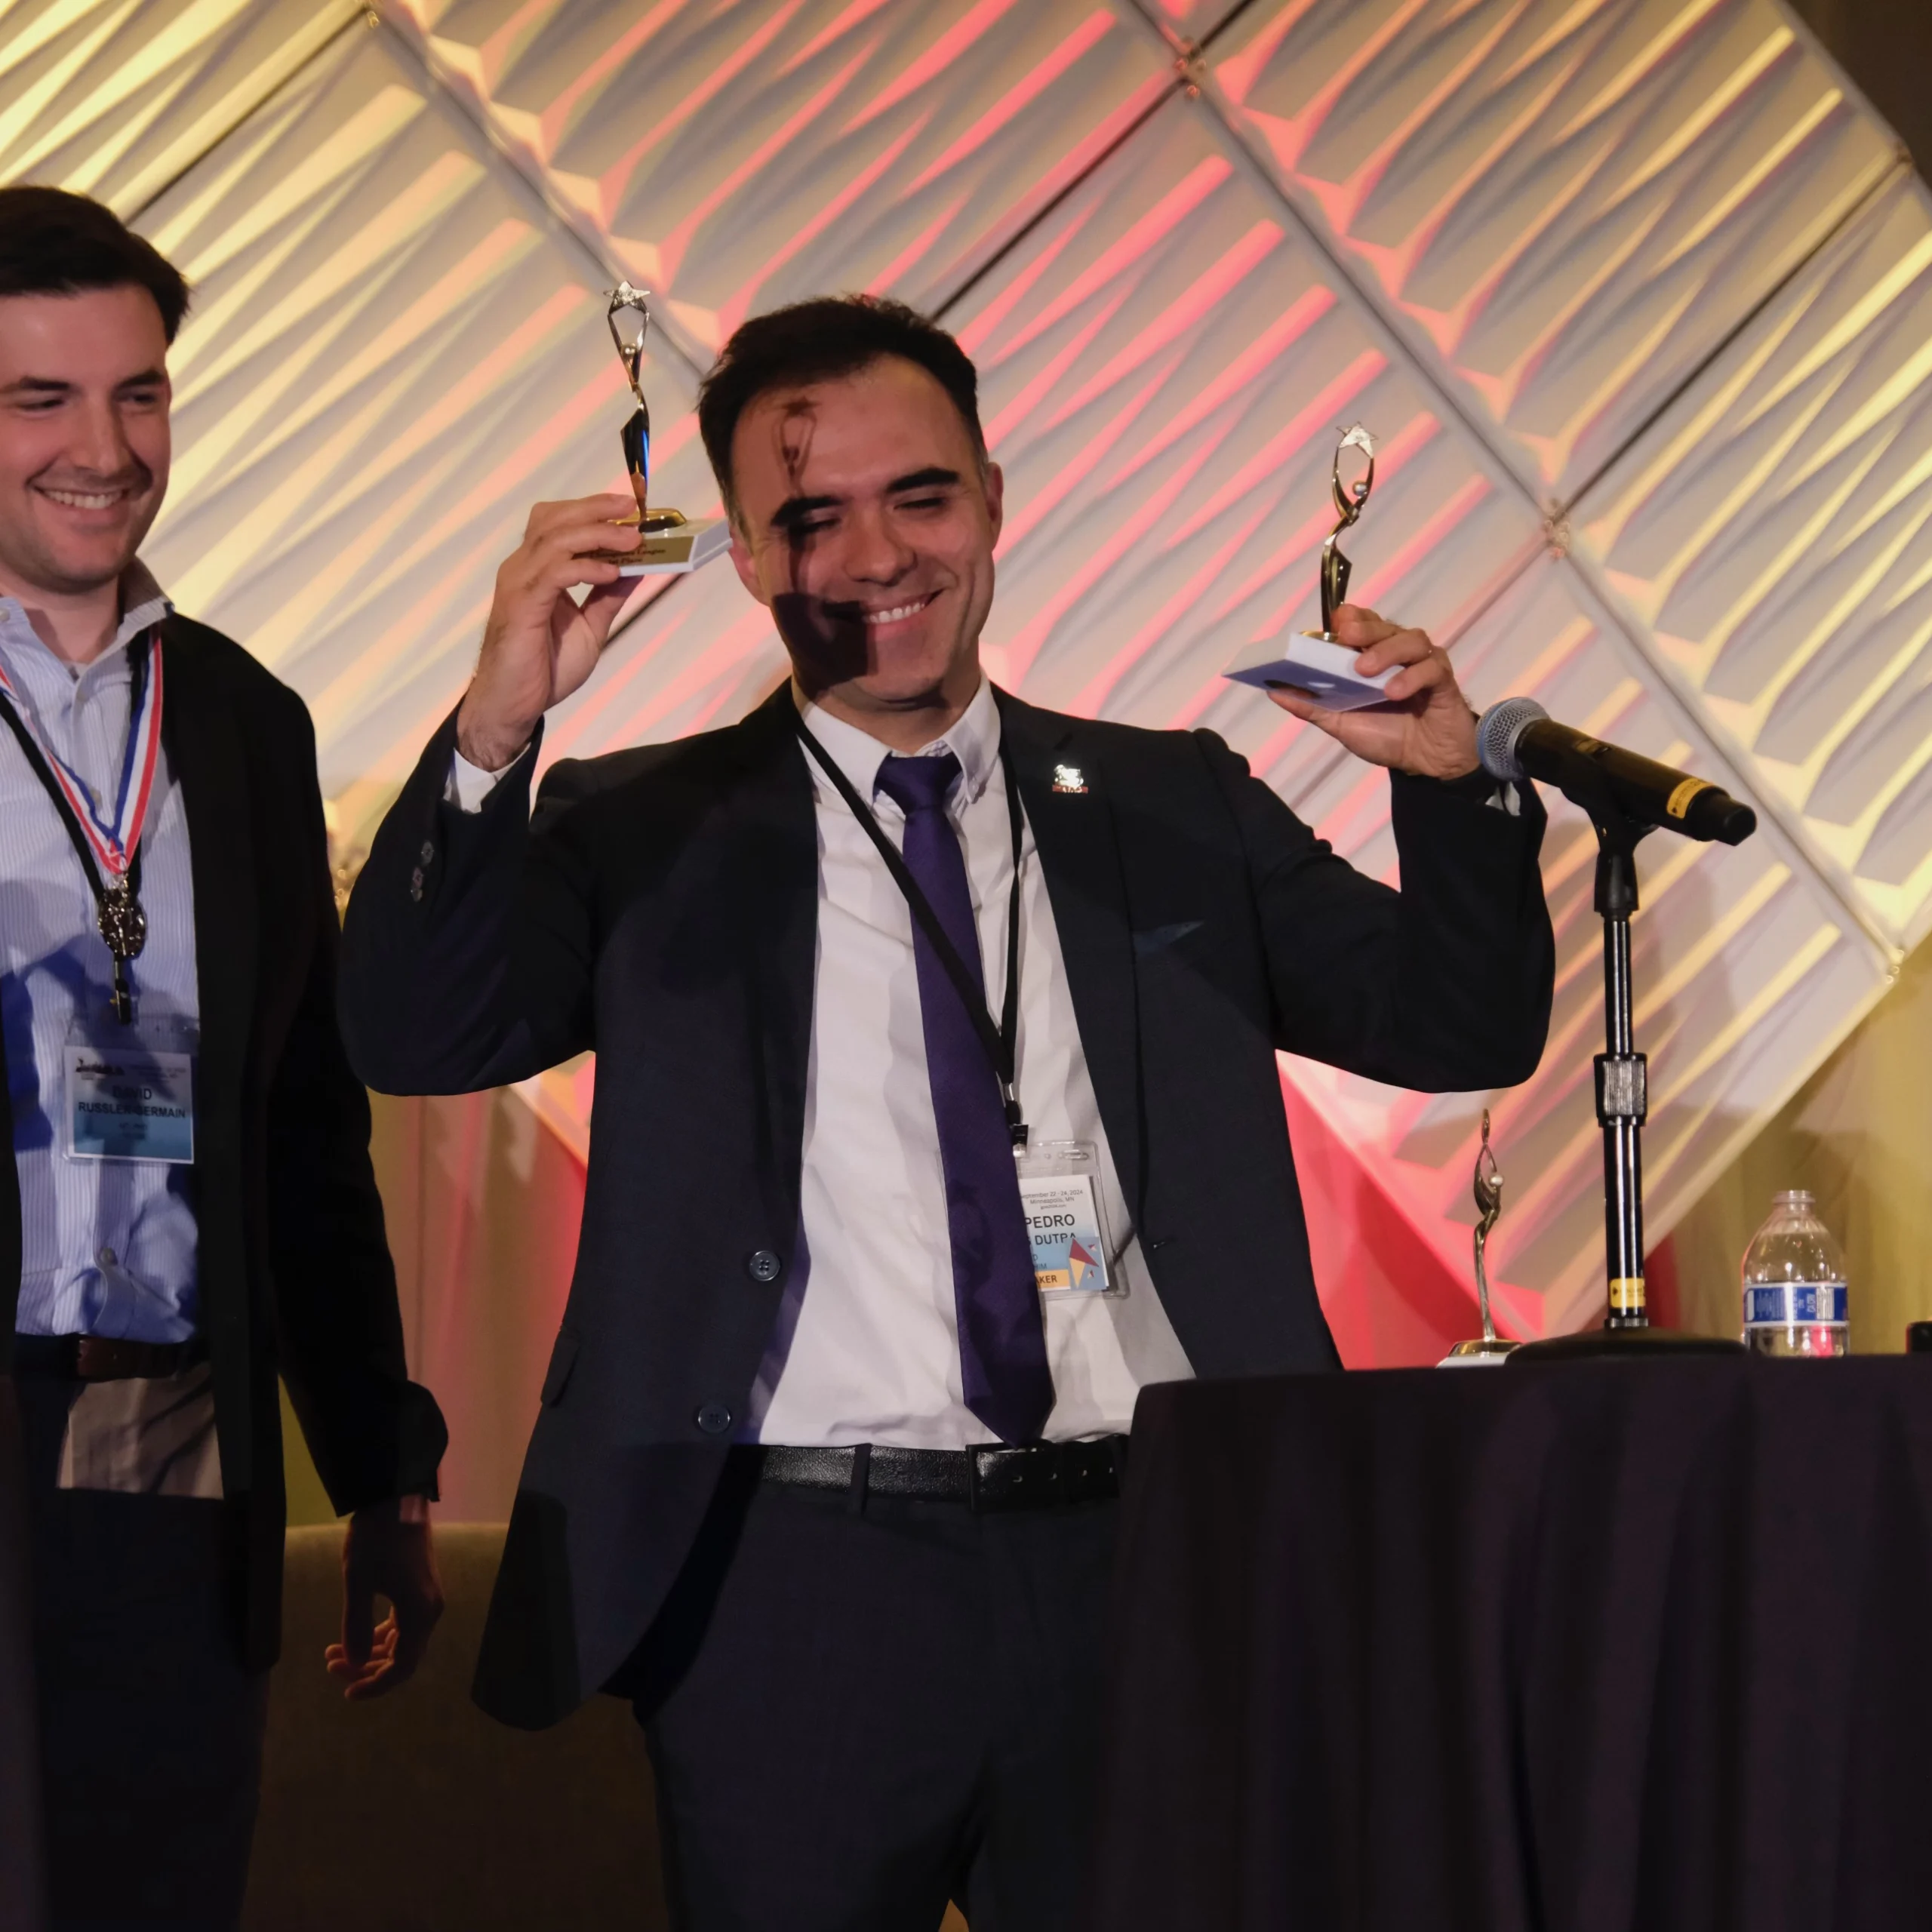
x,y
1581,1648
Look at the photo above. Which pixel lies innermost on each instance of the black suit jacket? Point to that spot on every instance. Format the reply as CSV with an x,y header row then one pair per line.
x,y
294,1271
661,907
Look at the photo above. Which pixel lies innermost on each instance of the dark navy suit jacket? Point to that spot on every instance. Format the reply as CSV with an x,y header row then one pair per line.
x,y
661,907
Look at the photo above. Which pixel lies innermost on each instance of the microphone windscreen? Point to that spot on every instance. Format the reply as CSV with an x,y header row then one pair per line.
x,y
1497,732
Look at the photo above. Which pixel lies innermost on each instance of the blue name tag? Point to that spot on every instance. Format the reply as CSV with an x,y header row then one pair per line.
x,y
1060,1198
129,1101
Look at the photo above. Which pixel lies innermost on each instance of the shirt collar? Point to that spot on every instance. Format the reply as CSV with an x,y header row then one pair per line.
x,y
972,738
143,603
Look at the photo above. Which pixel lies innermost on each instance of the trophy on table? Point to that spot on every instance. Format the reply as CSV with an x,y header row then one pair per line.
x,y
1315,662
1488,1191
669,542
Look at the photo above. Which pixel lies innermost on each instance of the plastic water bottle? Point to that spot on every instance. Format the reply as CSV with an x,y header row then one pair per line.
x,y
1794,1284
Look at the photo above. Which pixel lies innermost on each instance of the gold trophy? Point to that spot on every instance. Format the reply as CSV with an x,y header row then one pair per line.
x,y
1315,662
1489,1209
1349,498
669,542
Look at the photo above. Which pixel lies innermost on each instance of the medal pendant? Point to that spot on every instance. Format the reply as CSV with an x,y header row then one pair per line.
x,y
123,925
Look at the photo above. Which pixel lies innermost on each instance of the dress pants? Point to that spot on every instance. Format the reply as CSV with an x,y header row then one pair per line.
x,y
857,1711
20,1890
150,1726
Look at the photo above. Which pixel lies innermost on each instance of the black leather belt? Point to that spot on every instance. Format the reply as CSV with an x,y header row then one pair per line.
x,y
102,1358
1033,1478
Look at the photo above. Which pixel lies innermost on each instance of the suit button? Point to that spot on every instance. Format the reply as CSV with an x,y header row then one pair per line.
x,y
415,885
765,1265
428,854
714,1418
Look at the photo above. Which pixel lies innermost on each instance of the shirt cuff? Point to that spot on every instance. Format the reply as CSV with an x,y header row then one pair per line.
x,y
1498,794
469,785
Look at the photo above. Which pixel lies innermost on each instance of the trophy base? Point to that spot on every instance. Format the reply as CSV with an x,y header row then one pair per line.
x,y
684,547
1314,664
1485,1352
1627,1345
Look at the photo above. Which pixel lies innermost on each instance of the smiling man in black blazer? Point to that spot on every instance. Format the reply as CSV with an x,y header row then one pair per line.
x,y
162,1271
937,1112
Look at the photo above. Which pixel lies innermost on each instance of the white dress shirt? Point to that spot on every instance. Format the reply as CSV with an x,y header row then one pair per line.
x,y
108,1247
867,1346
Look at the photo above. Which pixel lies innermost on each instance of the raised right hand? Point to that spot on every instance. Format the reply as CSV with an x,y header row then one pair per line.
x,y
539,643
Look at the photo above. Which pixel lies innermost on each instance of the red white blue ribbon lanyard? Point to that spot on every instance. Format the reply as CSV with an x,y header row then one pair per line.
x,y
109,843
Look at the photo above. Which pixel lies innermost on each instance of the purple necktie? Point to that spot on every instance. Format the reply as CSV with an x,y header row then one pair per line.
x,y
1002,1344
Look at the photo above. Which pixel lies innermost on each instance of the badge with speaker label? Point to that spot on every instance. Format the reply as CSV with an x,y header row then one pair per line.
x,y
1060,1195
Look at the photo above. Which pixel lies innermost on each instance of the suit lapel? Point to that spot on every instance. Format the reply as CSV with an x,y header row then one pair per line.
x,y
774,864
1077,841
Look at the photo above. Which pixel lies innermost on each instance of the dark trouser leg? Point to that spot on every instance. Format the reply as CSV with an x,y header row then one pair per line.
x,y
1049,1572
151,1729
853,1717
21,1891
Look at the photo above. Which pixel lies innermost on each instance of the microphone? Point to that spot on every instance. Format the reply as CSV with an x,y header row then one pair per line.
x,y
1518,739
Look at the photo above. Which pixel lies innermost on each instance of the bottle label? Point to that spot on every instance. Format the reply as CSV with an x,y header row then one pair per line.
x,y
1791,1304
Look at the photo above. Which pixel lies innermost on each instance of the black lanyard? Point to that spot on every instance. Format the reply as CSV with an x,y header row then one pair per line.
x,y
1000,1040
117,913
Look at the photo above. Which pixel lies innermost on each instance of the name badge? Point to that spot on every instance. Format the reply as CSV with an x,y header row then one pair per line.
x,y
1064,1219
130,1094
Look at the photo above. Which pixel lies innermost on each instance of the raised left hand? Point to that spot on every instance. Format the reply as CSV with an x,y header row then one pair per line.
x,y
388,1554
1427,728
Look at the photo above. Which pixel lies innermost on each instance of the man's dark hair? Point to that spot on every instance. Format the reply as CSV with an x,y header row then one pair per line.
x,y
54,243
819,341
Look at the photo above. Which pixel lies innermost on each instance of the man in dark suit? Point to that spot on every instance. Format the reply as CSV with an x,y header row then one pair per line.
x,y
937,1112
190,1207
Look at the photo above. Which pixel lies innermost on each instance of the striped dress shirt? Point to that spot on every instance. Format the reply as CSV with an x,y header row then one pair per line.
x,y
108,1247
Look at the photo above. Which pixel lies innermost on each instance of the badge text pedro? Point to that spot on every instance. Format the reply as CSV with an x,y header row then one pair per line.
x,y
1064,1218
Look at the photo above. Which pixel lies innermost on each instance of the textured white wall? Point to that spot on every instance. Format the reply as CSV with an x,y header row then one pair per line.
x,y
1634,292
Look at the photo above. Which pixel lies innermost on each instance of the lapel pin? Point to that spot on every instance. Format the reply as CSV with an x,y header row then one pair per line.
x,y
1067,778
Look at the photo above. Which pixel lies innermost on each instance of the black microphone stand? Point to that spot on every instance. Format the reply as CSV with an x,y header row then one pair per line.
x,y
1622,1079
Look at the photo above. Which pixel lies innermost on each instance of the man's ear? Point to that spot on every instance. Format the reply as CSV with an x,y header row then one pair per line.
x,y
742,561
994,486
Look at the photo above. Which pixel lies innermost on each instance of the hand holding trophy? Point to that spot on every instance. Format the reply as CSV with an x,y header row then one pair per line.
x,y
545,636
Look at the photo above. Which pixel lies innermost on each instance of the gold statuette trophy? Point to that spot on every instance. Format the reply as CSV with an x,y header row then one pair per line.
x,y
1314,662
669,542
1489,1207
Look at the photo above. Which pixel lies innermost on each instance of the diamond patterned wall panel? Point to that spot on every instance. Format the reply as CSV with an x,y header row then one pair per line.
x,y
392,355
1161,375
1748,972
1502,232
114,98
1565,204
1190,21
1162,369
1164,366
738,154
1774,532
